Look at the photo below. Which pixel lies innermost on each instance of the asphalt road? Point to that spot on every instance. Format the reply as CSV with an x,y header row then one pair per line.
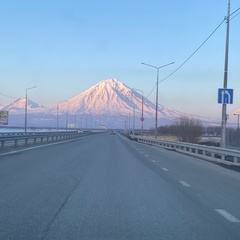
x,y
107,187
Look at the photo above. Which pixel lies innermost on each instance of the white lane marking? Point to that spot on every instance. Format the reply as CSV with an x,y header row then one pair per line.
x,y
153,161
227,215
165,169
146,155
141,151
185,184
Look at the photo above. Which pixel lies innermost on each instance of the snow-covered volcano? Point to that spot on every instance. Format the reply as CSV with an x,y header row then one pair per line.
x,y
112,97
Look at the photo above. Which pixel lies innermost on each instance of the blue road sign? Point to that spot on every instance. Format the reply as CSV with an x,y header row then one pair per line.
x,y
225,96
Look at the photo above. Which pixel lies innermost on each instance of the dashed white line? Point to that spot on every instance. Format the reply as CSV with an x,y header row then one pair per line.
x,y
153,161
185,184
146,155
165,169
227,215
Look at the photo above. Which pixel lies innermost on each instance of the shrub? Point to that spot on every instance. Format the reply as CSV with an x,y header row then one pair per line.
x,y
188,129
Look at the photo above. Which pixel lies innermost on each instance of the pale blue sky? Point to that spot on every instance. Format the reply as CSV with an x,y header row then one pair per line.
x,y
66,46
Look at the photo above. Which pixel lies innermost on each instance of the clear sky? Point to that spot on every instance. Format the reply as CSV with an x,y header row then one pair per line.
x,y
66,46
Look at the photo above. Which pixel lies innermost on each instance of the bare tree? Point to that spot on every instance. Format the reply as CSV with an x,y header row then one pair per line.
x,y
188,129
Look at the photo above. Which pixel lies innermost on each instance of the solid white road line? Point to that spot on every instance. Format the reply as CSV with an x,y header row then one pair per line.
x,y
39,146
185,184
227,215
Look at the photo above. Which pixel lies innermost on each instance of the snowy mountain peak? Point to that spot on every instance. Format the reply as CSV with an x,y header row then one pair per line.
x,y
110,86
20,104
112,83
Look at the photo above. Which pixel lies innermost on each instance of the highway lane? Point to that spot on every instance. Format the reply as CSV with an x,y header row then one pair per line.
x,y
108,187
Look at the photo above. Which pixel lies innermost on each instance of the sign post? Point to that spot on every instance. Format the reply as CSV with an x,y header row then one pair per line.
x,y
225,96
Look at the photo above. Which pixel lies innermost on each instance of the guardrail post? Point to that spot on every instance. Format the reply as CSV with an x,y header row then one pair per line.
x,y
204,153
26,141
235,159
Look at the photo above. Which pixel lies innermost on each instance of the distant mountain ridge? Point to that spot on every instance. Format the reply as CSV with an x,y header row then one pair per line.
x,y
110,102
18,105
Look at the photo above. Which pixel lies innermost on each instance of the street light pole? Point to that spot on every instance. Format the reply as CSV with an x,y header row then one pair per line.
x,y
57,117
134,120
26,105
142,119
67,119
58,114
156,114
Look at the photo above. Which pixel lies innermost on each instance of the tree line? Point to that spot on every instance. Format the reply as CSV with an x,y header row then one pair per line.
x,y
188,129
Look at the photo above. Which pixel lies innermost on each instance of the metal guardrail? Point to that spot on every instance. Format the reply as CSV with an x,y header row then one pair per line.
x,y
216,154
23,139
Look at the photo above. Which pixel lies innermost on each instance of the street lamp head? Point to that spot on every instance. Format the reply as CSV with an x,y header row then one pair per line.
x,y
30,88
157,67
149,65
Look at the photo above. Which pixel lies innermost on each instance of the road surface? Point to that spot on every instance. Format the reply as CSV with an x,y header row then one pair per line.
x,y
106,187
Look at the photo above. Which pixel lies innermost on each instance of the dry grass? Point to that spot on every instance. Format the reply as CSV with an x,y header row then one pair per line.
x,y
163,137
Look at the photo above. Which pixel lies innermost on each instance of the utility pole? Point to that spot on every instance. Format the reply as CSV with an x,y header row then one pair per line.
x,y
224,106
